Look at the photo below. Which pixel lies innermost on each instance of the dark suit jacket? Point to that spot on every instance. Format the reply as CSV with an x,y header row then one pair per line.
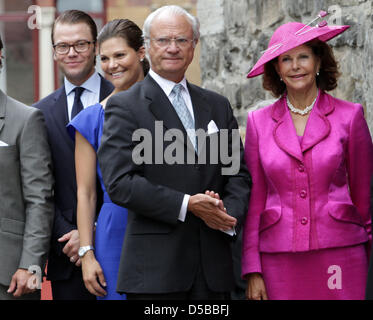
x,y
160,253
54,108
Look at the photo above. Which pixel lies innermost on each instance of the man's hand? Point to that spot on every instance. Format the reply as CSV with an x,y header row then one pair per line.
x,y
71,248
212,194
211,211
19,283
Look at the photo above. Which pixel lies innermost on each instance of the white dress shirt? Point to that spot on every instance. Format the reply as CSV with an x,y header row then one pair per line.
x,y
89,97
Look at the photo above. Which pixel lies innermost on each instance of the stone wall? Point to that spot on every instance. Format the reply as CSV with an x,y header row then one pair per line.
x,y
234,32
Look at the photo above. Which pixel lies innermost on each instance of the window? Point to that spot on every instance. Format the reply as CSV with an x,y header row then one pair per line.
x,y
18,75
95,6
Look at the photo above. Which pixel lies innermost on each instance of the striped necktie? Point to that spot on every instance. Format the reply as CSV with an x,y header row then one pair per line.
x,y
78,105
184,114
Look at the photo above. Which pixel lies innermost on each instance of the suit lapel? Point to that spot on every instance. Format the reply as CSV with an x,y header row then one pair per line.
x,y
317,128
59,115
284,132
202,112
318,125
161,107
201,108
3,100
106,88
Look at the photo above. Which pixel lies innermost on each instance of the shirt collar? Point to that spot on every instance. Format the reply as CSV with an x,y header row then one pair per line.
x,y
92,84
167,85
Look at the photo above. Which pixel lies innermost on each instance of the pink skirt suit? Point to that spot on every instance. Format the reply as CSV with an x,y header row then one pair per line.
x,y
307,229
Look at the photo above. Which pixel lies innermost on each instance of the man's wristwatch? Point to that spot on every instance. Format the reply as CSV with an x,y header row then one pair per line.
x,y
83,250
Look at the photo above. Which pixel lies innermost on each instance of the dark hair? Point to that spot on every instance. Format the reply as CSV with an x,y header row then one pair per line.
x,y
1,43
326,80
74,17
129,31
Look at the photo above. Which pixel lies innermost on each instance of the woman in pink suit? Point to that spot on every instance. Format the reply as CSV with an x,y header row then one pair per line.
x,y
310,155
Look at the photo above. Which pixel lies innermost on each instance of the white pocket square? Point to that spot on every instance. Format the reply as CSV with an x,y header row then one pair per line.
x,y
3,144
212,128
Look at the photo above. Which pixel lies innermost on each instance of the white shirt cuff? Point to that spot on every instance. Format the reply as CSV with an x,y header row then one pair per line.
x,y
184,207
231,232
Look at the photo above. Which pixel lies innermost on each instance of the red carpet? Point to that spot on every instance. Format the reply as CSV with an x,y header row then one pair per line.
x,y
46,290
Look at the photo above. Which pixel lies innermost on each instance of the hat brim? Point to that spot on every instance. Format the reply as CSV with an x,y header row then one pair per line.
x,y
292,42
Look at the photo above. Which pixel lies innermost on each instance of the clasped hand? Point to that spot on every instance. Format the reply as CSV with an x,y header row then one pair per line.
x,y
210,208
72,246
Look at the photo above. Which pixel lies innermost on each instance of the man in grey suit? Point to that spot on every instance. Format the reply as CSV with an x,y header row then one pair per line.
x,y
26,193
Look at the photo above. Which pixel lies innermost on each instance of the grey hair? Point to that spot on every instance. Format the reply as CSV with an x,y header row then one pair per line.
x,y
173,11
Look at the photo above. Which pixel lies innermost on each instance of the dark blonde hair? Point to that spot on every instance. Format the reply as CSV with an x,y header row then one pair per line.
x,y
326,80
75,17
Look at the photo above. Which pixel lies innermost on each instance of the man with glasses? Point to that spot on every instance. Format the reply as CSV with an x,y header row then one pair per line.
x,y
74,47
182,217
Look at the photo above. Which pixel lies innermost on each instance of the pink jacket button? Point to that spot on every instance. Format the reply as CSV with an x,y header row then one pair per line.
x,y
303,194
304,220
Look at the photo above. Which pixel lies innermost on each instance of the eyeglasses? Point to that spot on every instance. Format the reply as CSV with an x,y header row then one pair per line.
x,y
166,42
80,46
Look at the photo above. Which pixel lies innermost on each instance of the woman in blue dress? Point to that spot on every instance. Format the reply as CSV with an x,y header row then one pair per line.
x,y
123,62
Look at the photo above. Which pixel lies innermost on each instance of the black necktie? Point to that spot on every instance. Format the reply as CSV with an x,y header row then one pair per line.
x,y
78,105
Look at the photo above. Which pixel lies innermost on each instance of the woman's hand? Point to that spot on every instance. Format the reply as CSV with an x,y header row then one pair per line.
x,y
256,289
92,272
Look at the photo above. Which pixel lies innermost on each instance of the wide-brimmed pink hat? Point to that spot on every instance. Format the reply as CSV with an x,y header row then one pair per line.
x,y
293,34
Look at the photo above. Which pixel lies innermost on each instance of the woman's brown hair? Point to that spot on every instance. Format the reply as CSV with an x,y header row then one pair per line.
x,y
326,80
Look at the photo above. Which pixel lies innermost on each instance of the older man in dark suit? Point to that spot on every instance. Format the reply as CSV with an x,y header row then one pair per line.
x,y
74,41
183,210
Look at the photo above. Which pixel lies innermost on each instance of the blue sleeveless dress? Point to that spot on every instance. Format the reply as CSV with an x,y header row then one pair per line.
x,y
112,220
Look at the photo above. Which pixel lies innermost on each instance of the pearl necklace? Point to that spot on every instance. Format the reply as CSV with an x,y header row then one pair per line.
x,y
300,111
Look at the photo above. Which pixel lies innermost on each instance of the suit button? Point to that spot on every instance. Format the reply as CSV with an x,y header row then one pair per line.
x,y
304,220
303,194
301,167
